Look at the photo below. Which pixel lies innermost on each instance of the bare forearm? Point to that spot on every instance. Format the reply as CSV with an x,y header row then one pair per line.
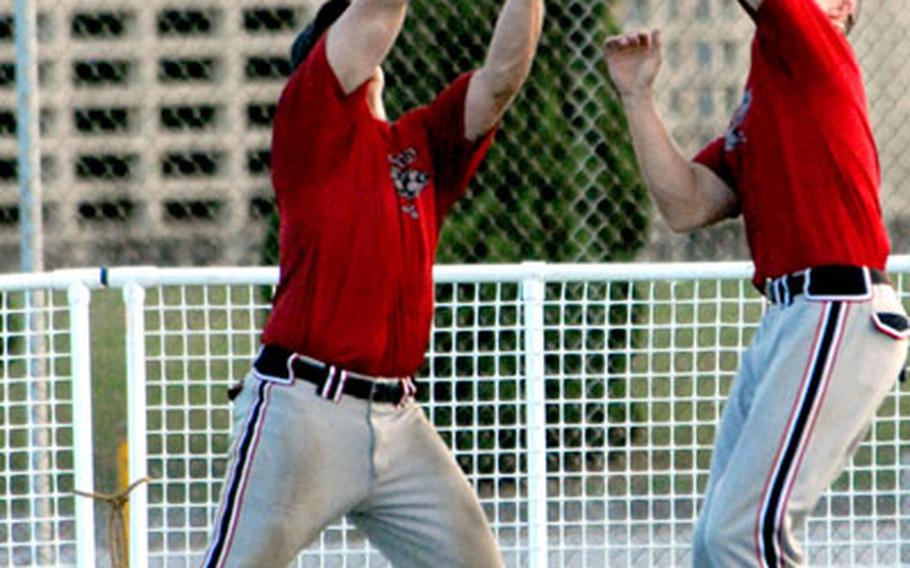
x,y
688,195
514,44
668,174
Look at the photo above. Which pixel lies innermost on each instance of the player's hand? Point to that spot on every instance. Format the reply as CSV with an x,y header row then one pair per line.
x,y
634,60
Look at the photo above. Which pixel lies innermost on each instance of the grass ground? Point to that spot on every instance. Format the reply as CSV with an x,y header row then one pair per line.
x,y
108,325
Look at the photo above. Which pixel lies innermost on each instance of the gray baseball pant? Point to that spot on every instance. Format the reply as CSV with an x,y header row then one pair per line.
x,y
300,462
807,391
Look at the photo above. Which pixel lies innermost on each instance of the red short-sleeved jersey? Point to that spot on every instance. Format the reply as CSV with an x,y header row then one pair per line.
x,y
800,152
361,202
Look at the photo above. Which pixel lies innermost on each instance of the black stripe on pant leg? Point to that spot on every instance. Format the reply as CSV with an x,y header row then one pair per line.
x,y
798,431
230,500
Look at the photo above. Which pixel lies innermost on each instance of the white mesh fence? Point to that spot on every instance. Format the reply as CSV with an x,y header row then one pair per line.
x,y
45,444
199,339
580,401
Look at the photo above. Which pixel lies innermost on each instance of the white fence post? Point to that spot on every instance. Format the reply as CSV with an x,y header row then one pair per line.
x,y
134,297
80,350
533,292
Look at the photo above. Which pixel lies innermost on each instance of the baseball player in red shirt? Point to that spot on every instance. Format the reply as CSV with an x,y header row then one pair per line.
x,y
800,164
326,425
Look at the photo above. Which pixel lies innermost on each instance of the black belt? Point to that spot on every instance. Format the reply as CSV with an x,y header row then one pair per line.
x,y
824,283
281,365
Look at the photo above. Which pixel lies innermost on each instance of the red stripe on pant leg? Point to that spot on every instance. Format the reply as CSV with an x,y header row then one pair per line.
x,y
775,492
832,361
759,544
246,473
235,466
239,471
238,462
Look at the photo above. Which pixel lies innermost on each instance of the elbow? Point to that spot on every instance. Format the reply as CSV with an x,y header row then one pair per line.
x,y
508,66
688,206
681,226
682,219
501,83
507,81
505,94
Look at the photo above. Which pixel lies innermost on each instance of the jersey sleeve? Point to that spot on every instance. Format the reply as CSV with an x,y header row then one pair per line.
x,y
455,159
314,119
799,35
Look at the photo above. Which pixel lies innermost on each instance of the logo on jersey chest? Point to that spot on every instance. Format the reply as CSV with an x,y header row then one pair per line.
x,y
408,181
735,133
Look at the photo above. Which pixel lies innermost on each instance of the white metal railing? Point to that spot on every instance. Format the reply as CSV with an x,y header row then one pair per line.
x,y
42,522
579,399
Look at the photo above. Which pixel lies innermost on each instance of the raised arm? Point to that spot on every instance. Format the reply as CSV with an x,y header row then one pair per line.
x,y
361,39
688,195
495,85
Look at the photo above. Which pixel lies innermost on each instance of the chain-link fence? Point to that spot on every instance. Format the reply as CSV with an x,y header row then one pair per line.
x,y
156,122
